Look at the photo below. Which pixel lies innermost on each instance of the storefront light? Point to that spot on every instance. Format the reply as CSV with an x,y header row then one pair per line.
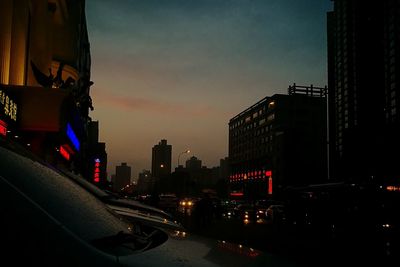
x,y
72,136
3,128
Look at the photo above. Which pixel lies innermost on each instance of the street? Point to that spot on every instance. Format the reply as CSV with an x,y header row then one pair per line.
x,y
306,246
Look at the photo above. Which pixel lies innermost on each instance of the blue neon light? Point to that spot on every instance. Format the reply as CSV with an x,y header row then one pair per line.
x,y
71,135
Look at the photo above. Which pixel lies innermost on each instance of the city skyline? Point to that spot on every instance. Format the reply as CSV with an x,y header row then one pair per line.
x,y
179,70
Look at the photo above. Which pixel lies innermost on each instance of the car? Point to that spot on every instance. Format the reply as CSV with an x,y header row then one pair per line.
x,y
187,205
168,202
133,210
49,219
275,213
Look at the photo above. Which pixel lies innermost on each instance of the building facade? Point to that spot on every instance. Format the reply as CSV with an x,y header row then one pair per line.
x,y
97,157
145,182
193,164
161,160
122,177
45,79
364,96
278,142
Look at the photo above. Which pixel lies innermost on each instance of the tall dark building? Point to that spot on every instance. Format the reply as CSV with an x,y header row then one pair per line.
x,y
224,168
161,160
280,141
145,182
97,155
364,83
193,164
122,176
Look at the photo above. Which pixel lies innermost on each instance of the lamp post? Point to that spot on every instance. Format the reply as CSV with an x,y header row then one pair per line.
x,y
180,154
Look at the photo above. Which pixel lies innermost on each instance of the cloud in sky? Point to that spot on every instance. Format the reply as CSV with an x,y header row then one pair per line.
x,y
154,106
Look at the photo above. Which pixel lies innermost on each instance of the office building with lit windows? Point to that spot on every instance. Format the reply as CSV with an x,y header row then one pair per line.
x,y
279,141
364,83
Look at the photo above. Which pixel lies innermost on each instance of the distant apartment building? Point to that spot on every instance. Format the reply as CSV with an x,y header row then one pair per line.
x,y
161,160
279,141
364,89
193,164
201,175
122,177
145,182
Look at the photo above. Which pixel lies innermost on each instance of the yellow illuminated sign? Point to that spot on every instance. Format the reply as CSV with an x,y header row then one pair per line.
x,y
10,108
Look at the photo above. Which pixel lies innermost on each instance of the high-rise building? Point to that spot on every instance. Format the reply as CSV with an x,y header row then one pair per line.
x,y
161,160
145,182
224,168
278,142
364,84
97,163
122,176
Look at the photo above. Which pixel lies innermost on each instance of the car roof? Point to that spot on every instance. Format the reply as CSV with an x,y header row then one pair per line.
x,y
62,199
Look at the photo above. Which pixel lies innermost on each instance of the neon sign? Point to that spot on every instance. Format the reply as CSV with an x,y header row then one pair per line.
x,y
393,188
270,186
3,128
64,152
269,175
9,106
252,175
96,175
72,136
236,194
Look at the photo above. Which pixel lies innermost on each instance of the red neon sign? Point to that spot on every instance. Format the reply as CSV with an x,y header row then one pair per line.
x,y
96,176
268,173
64,152
270,186
3,128
236,194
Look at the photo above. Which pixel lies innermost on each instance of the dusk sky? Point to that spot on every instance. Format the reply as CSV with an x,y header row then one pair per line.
x,y
181,69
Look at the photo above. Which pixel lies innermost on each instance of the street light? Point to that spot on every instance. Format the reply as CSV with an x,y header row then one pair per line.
x,y
184,152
